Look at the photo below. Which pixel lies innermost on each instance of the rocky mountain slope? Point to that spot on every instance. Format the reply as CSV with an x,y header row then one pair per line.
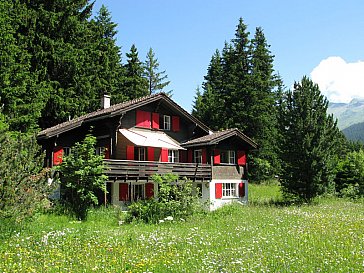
x,y
350,118
348,113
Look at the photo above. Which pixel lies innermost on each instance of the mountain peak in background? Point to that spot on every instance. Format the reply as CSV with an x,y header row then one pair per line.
x,y
350,118
347,113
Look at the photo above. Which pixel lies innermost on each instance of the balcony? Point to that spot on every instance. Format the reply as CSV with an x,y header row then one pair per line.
x,y
143,170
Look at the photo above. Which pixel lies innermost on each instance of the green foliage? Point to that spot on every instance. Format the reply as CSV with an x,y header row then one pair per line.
x,y
56,61
81,176
349,179
263,169
308,142
176,199
241,86
326,237
23,182
156,80
135,84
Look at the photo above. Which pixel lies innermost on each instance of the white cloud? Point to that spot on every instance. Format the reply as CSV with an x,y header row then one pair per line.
x,y
338,80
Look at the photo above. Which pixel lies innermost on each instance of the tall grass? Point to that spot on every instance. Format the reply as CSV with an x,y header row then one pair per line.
x,y
325,237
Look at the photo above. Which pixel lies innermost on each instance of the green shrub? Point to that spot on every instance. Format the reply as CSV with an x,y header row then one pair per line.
x,y
23,181
176,199
350,175
81,176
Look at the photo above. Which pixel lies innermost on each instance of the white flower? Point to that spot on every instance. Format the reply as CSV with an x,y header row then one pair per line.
x,y
161,221
169,218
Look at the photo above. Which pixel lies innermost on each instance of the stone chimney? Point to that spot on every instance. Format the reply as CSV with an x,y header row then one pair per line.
x,y
105,101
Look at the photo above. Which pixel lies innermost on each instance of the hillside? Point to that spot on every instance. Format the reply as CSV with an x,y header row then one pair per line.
x,y
355,132
348,113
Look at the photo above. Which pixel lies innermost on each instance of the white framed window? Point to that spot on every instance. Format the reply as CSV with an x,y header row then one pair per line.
x,y
229,190
66,151
141,153
173,156
100,150
197,156
167,122
232,157
228,157
138,192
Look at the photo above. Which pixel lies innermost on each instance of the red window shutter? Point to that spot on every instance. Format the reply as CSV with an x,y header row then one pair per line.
x,y
142,119
218,190
241,158
164,155
130,152
217,156
175,123
123,192
190,159
149,190
57,155
204,158
151,154
155,120
241,189
107,151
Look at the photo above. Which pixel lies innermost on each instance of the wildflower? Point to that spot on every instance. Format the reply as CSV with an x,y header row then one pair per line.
x,y
169,218
161,221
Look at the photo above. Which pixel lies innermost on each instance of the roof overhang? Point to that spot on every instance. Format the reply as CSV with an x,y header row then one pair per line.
x,y
217,137
147,138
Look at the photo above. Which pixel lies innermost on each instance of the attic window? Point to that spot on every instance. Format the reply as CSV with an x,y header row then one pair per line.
x,y
167,122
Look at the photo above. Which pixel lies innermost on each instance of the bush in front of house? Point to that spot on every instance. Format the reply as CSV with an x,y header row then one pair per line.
x,y
176,199
82,174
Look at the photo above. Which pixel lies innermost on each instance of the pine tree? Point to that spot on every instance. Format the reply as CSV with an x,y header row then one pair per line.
x,y
308,142
55,61
135,84
107,58
240,86
156,80
20,93
264,111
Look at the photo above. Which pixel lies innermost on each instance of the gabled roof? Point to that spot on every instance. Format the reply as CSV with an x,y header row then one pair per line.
x,y
115,110
217,137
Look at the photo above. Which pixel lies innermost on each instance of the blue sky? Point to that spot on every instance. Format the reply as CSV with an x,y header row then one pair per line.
x,y
323,37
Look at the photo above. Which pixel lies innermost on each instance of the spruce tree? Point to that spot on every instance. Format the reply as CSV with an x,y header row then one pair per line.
x,y
240,86
107,58
135,85
308,142
55,61
20,92
156,80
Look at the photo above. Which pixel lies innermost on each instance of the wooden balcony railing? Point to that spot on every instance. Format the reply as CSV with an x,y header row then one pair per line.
x,y
129,169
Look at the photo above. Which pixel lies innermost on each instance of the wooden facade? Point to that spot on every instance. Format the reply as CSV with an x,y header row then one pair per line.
x,y
153,135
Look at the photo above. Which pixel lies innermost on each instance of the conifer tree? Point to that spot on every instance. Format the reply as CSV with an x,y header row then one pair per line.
x,y
135,84
107,58
240,86
156,80
20,93
308,142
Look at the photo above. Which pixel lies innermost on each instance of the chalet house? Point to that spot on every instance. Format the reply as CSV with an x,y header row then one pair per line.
x,y
154,135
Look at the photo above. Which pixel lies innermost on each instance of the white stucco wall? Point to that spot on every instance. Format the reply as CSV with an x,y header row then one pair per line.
x,y
217,203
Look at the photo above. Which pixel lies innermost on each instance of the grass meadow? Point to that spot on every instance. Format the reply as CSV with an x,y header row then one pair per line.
x,y
325,237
